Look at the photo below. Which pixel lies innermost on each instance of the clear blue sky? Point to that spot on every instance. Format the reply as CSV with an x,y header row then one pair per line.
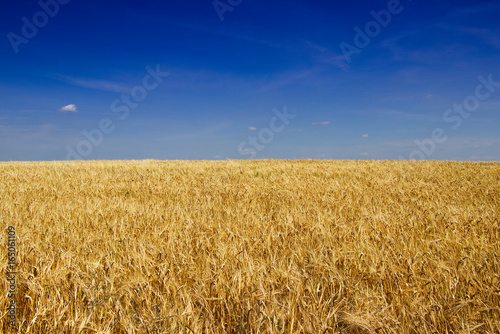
x,y
247,79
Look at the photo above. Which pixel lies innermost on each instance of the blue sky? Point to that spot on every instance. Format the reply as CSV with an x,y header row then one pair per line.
x,y
249,80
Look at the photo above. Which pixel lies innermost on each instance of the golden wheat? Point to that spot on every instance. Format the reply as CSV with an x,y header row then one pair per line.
x,y
253,246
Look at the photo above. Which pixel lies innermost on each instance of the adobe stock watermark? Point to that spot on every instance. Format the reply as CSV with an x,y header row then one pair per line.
x,y
120,107
225,6
29,30
372,29
265,136
455,115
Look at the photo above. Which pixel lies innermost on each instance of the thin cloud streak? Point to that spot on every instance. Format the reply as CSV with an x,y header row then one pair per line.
x,y
104,85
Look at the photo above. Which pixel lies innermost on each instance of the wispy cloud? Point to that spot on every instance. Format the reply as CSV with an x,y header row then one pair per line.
x,y
321,123
105,85
475,9
491,105
408,116
452,50
323,55
287,78
253,128
488,36
69,108
365,135
25,133
225,33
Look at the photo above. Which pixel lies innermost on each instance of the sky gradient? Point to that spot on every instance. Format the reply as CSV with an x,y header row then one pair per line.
x,y
245,79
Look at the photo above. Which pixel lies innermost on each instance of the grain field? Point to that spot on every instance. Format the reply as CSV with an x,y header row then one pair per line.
x,y
270,246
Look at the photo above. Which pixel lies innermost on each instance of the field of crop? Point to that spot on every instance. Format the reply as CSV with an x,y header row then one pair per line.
x,y
273,246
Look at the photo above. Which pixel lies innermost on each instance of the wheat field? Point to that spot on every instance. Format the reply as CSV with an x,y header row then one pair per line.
x,y
270,246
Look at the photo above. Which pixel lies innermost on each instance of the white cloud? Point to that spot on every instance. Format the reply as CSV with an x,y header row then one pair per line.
x,y
364,135
321,123
253,128
69,107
